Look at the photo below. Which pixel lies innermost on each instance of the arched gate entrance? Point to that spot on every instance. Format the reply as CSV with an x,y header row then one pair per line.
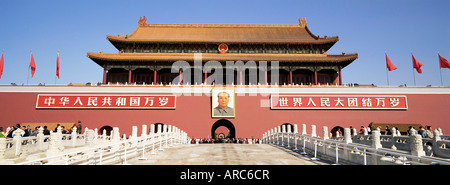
x,y
226,123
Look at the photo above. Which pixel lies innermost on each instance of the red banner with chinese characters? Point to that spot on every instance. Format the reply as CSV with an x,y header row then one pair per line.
x,y
338,102
105,101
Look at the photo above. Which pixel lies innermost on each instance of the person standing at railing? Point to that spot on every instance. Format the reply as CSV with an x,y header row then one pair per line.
x,y
2,134
56,128
388,131
28,131
422,132
429,132
397,131
46,131
35,131
361,131
339,133
79,127
11,133
411,129
63,130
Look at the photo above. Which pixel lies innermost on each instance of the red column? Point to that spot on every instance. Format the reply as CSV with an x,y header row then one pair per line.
x,y
129,76
104,76
265,77
290,77
340,77
181,77
240,77
315,77
206,78
154,77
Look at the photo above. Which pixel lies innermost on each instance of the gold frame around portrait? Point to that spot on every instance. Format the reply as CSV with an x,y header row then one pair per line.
x,y
214,102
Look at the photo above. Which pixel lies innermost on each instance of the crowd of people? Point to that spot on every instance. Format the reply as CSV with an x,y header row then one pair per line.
x,y
426,132
225,140
27,131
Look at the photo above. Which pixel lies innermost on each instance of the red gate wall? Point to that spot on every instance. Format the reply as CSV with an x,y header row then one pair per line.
x,y
193,114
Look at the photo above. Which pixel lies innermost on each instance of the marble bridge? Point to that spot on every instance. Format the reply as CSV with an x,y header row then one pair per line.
x,y
168,145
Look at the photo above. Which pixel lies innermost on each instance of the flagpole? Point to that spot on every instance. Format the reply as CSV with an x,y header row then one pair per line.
x,y
440,70
56,65
387,73
29,67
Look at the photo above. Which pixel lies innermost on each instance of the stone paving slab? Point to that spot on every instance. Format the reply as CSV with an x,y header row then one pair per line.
x,y
227,154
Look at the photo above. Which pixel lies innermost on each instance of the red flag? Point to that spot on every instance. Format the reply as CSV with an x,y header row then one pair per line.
x,y
389,64
417,64
57,65
444,62
2,60
32,65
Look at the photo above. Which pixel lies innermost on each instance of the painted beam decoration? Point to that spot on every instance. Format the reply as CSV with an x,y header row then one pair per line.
x,y
105,101
338,102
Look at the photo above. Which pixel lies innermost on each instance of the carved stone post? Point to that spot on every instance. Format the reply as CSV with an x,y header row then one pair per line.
x,y
104,136
115,135
304,129
295,128
74,136
160,130
394,132
2,152
90,137
134,131
166,135
376,142
95,136
271,140
144,130
325,132
347,136
436,138
275,135
115,138
417,147
54,147
152,129
278,135
313,131
288,130
283,134
40,138
2,149
17,140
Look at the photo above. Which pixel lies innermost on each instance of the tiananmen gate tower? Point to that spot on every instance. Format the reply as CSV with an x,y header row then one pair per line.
x,y
234,80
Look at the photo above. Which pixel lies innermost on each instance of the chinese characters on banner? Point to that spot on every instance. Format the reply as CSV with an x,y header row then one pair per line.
x,y
337,102
105,101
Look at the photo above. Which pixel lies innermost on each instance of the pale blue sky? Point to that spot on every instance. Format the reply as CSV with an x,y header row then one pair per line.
x,y
367,27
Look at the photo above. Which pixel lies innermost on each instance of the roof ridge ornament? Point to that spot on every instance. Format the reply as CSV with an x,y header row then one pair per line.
x,y
302,22
142,21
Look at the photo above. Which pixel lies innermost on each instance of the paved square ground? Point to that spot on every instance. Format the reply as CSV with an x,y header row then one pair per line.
x,y
227,154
